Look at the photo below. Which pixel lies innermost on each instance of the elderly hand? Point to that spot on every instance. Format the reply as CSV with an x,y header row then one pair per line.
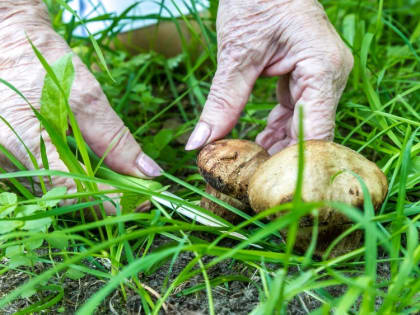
x,y
290,39
99,124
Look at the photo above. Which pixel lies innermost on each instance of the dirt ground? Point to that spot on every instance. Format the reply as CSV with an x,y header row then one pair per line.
x,y
233,298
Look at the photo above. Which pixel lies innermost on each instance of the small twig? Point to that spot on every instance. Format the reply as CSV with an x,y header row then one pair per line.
x,y
111,307
156,295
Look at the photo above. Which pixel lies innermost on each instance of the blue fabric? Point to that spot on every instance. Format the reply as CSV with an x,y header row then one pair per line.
x,y
88,9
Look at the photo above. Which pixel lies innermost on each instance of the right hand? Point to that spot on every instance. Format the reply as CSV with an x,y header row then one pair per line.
x,y
99,124
292,40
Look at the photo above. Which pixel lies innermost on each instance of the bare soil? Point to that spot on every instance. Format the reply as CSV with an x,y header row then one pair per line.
x,y
231,298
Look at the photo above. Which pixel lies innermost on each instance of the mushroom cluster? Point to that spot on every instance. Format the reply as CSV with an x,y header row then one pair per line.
x,y
244,175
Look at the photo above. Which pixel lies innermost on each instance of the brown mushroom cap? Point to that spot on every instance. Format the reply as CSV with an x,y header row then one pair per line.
x,y
325,178
228,164
220,210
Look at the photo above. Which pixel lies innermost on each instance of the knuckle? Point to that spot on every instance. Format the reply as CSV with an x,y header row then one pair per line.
x,y
231,54
341,57
335,60
87,94
348,59
88,91
120,138
330,68
220,102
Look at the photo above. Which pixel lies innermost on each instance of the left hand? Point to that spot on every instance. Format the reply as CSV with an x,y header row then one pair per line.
x,y
99,124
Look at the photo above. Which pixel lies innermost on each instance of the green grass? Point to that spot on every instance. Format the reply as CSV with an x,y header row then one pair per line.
x,y
378,116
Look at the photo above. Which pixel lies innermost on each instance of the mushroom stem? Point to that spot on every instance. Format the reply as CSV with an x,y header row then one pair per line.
x,y
220,210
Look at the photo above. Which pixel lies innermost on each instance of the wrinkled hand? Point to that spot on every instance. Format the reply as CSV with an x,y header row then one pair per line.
x,y
290,39
99,124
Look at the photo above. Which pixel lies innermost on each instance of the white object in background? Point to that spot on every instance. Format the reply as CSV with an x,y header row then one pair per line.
x,y
88,9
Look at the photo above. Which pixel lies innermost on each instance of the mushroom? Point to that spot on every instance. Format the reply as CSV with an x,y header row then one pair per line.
x,y
244,170
227,165
220,210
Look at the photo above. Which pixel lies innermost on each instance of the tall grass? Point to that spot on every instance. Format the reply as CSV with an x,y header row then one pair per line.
x,y
378,116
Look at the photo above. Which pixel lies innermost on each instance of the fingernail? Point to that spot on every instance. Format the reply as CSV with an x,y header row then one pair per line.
x,y
199,136
147,166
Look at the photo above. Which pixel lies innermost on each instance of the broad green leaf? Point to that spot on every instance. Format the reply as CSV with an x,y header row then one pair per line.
x,y
53,104
26,210
175,61
58,242
20,260
151,150
162,138
8,203
34,225
14,250
48,199
32,244
74,274
37,225
130,201
8,226
56,138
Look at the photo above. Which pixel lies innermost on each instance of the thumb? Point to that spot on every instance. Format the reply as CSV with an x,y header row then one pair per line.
x,y
228,95
105,132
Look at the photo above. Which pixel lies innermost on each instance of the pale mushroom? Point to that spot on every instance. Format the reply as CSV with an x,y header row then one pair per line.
x,y
244,170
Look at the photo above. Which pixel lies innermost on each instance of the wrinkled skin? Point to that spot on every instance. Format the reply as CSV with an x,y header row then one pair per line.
x,y
99,124
290,39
